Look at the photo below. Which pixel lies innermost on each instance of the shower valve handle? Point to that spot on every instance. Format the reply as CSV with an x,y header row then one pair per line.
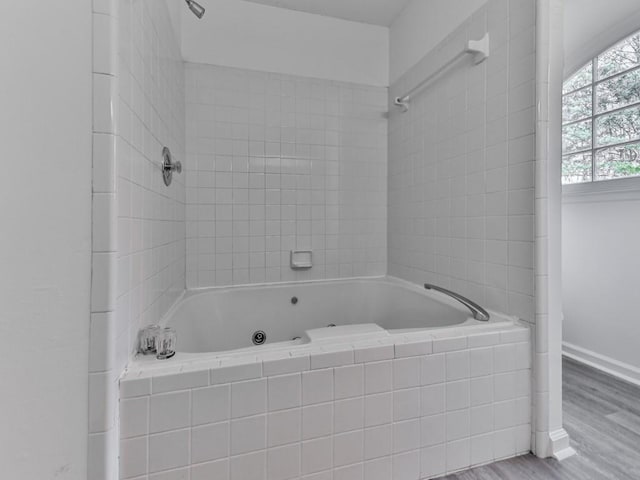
x,y
169,165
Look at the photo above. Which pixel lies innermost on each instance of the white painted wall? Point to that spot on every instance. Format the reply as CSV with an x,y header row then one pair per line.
x,y
420,27
248,35
600,264
591,26
45,242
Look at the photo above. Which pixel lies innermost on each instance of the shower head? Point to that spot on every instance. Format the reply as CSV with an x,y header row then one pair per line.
x,y
195,7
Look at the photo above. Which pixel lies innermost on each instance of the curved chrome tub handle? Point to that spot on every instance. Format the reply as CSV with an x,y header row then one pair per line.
x,y
477,311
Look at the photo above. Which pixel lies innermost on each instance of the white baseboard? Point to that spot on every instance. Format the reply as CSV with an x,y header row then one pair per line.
x,y
553,445
622,370
560,447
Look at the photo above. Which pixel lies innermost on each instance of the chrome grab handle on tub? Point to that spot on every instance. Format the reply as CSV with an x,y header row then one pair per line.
x,y
477,311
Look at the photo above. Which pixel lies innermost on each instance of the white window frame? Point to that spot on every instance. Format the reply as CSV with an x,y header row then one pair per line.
x,y
631,182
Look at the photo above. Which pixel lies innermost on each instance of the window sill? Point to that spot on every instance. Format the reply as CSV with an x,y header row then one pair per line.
x,y
618,190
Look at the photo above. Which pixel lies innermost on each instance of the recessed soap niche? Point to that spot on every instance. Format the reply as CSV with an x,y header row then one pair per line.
x,y
301,259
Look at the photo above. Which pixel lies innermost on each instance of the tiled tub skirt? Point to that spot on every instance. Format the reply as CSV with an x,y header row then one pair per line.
x,y
415,406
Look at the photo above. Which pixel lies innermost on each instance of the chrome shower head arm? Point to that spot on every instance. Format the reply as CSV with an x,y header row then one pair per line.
x,y
197,9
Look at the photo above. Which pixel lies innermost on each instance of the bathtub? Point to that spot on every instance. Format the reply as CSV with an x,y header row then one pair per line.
x,y
232,320
405,385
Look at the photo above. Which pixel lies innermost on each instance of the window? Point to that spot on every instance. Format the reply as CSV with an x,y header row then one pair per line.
x,y
601,116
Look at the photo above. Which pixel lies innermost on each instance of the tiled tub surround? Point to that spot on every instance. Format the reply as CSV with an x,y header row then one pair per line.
x,y
408,407
151,216
461,165
138,231
278,163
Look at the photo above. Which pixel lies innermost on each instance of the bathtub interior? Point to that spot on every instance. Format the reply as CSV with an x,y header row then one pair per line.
x,y
225,319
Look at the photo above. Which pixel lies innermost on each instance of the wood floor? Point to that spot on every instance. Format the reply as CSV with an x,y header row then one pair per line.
x,y
602,417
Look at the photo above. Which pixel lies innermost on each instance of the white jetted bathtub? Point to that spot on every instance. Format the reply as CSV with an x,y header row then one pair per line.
x,y
407,385
285,315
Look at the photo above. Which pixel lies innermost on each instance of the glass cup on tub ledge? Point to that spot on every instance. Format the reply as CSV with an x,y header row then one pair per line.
x,y
166,343
147,339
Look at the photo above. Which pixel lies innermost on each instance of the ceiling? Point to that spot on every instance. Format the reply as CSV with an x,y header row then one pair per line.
x,y
375,12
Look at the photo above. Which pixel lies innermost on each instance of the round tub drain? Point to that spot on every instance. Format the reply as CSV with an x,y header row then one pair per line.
x,y
259,337
331,325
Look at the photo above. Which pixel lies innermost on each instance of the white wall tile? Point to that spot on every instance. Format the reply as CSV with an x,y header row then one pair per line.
x,y
348,448
169,411
317,421
407,430
406,466
168,450
235,373
406,435
205,471
251,466
457,365
481,390
457,395
481,449
406,372
433,461
248,398
348,415
284,392
248,434
433,399
134,417
286,426
504,386
378,469
210,404
378,409
480,362
481,419
504,443
348,381
210,442
457,424
433,430
283,463
433,369
378,377
352,472
453,190
317,455
182,381
406,404
300,173
133,457
378,442
317,386
147,108
179,474
458,455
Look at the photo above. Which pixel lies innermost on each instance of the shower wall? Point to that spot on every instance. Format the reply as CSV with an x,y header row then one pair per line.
x,y
461,165
138,236
279,163
151,112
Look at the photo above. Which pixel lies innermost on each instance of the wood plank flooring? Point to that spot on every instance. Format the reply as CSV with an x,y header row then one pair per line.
x,y
602,417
